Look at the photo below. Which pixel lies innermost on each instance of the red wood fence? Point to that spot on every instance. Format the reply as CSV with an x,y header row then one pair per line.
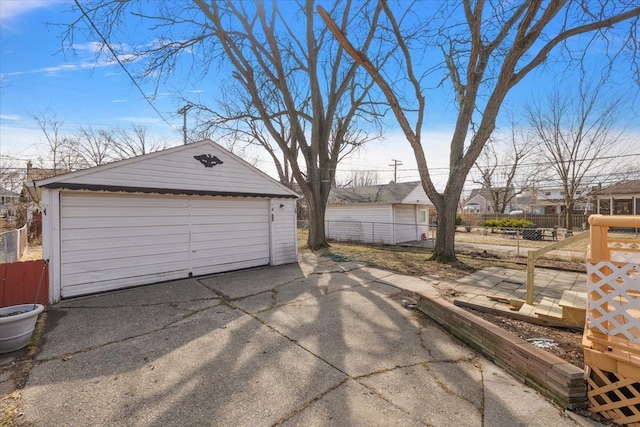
x,y
19,283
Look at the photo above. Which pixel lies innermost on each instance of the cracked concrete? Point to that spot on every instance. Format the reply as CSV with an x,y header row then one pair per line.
x,y
314,344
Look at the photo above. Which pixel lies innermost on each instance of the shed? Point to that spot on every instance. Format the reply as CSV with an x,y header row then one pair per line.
x,y
389,214
186,211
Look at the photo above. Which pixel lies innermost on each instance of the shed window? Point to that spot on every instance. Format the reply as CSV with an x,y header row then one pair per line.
x,y
423,216
604,206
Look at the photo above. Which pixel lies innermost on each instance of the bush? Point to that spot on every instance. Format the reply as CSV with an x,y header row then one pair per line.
x,y
458,219
507,223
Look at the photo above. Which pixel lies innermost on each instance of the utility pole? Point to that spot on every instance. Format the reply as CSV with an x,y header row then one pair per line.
x,y
183,111
395,165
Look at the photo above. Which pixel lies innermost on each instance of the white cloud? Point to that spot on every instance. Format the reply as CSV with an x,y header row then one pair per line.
x,y
12,8
10,117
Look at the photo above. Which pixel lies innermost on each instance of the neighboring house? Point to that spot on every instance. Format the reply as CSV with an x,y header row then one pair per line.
x,y
8,202
480,201
619,199
186,211
390,214
548,201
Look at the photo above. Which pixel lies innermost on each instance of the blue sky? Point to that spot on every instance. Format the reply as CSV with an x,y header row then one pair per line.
x,y
38,78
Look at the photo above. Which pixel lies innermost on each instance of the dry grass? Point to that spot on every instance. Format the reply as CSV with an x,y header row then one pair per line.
x,y
413,261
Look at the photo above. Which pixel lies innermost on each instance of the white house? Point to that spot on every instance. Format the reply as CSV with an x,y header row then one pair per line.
x,y
390,214
190,210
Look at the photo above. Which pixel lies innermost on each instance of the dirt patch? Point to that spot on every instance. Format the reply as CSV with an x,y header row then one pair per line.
x,y
564,343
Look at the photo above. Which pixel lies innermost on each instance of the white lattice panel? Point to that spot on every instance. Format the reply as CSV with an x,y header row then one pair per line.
x,y
614,299
624,251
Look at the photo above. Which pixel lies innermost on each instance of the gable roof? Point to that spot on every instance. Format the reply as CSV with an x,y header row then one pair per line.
x,y
180,170
392,193
625,187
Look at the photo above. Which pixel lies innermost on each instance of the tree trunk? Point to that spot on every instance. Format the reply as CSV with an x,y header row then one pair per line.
x,y
316,206
444,250
445,237
569,215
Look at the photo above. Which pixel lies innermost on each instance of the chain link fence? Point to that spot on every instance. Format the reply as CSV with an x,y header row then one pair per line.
x,y
12,245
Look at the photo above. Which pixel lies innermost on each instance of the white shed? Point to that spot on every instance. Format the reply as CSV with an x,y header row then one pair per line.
x,y
186,211
389,214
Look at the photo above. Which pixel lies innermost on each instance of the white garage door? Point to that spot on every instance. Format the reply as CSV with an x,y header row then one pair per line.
x,y
111,242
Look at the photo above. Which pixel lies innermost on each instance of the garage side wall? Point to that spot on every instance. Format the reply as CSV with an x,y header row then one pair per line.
x,y
51,239
284,242
361,223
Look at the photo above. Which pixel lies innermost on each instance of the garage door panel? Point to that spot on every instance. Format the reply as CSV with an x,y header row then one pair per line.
x,y
110,242
124,242
92,223
147,265
229,234
106,255
134,233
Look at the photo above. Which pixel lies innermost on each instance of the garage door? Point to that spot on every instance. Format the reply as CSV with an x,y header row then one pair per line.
x,y
111,242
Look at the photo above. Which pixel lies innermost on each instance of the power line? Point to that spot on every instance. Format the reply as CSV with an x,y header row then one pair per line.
x,y
135,83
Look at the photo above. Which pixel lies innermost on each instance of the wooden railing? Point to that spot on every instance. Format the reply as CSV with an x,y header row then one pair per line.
x,y
611,337
534,254
613,268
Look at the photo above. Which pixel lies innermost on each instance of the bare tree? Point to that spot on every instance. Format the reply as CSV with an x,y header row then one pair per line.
x,y
11,176
134,142
503,169
579,139
239,128
363,178
60,153
95,146
487,48
313,101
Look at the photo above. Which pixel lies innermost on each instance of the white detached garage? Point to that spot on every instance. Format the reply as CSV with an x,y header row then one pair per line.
x,y
190,210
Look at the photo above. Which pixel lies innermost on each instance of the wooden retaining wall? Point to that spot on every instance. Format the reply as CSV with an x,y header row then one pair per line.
x,y
551,376
19,283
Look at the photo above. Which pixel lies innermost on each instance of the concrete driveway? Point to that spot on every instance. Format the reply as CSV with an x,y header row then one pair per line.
x,y
311,344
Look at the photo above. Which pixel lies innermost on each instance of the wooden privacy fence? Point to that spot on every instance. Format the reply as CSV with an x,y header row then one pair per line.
x,y
19,283
611,337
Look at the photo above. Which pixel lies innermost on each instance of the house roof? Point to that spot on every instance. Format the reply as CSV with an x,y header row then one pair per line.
x,y
176,171
625,187
380,194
